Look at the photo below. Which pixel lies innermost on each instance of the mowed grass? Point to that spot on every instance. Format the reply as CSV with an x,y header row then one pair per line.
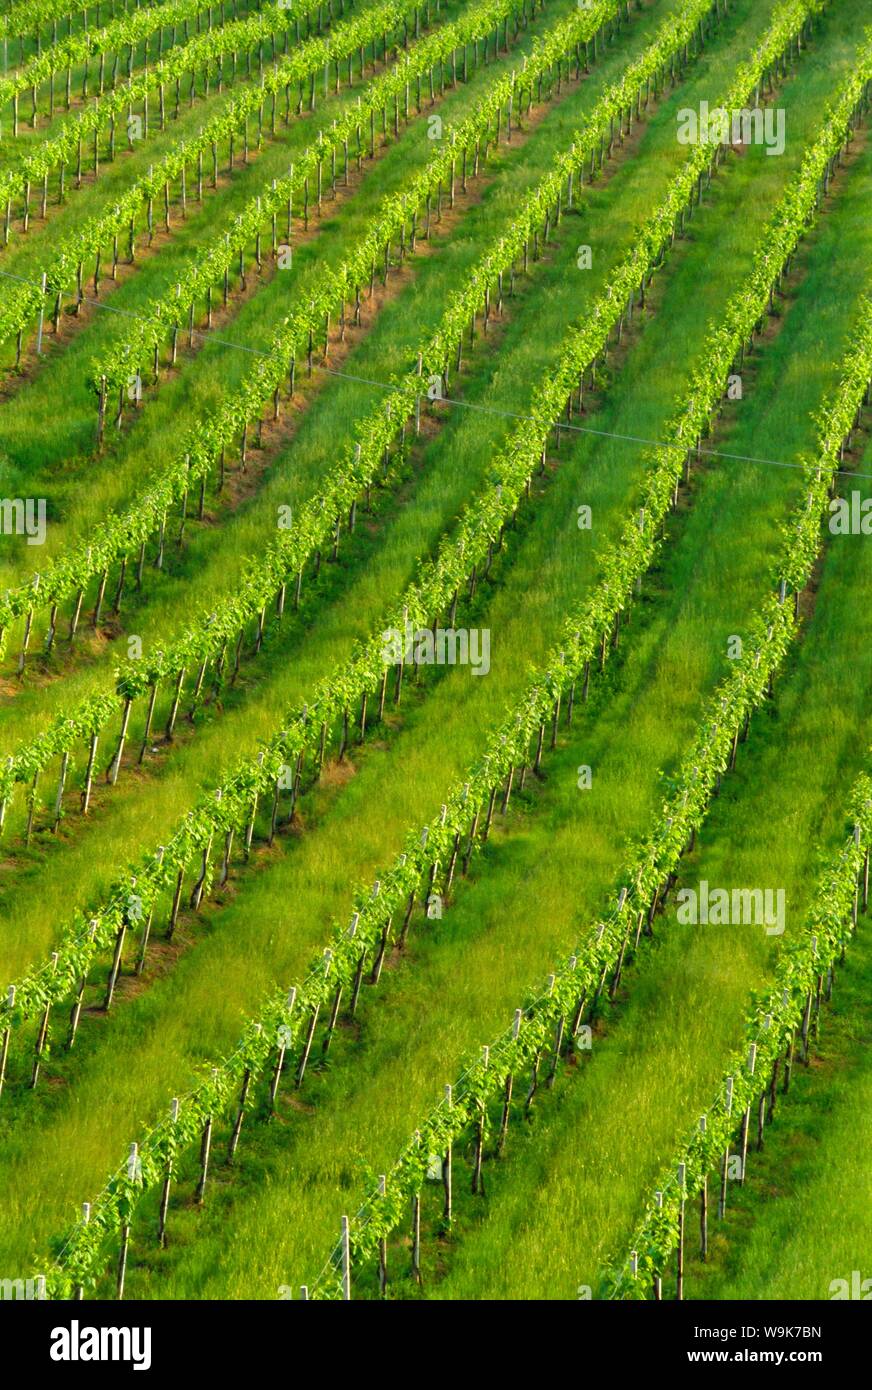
x,y
803,1221
368,819
213,986
544,880
214,558
452,464
48,429
147,813
149,810
20,51
195,578
573,1189
25,251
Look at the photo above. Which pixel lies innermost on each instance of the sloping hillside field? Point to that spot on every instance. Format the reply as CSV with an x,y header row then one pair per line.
x,y
436,654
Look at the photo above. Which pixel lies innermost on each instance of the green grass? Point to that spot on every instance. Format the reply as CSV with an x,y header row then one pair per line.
x,y
803,1219
302,651
352,846
570,1189
48,431
661,1060
294,477
115,176
21,51
543,882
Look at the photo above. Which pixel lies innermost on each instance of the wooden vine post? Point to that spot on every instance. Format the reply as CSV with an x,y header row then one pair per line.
x,y
746,1118
165,1190
346,1260
79,1293
281,1049
477,1181
679,1254
448,1170
725,1161
76,1012
205,1149
382,1245
703,1205
7,1031
42,1034
132,1171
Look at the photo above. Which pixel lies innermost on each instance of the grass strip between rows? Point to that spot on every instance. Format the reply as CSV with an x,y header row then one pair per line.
x,y
319,521
553,1020
124,535
302,65
279,766
290,1019
777,1026
124,31
208,637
